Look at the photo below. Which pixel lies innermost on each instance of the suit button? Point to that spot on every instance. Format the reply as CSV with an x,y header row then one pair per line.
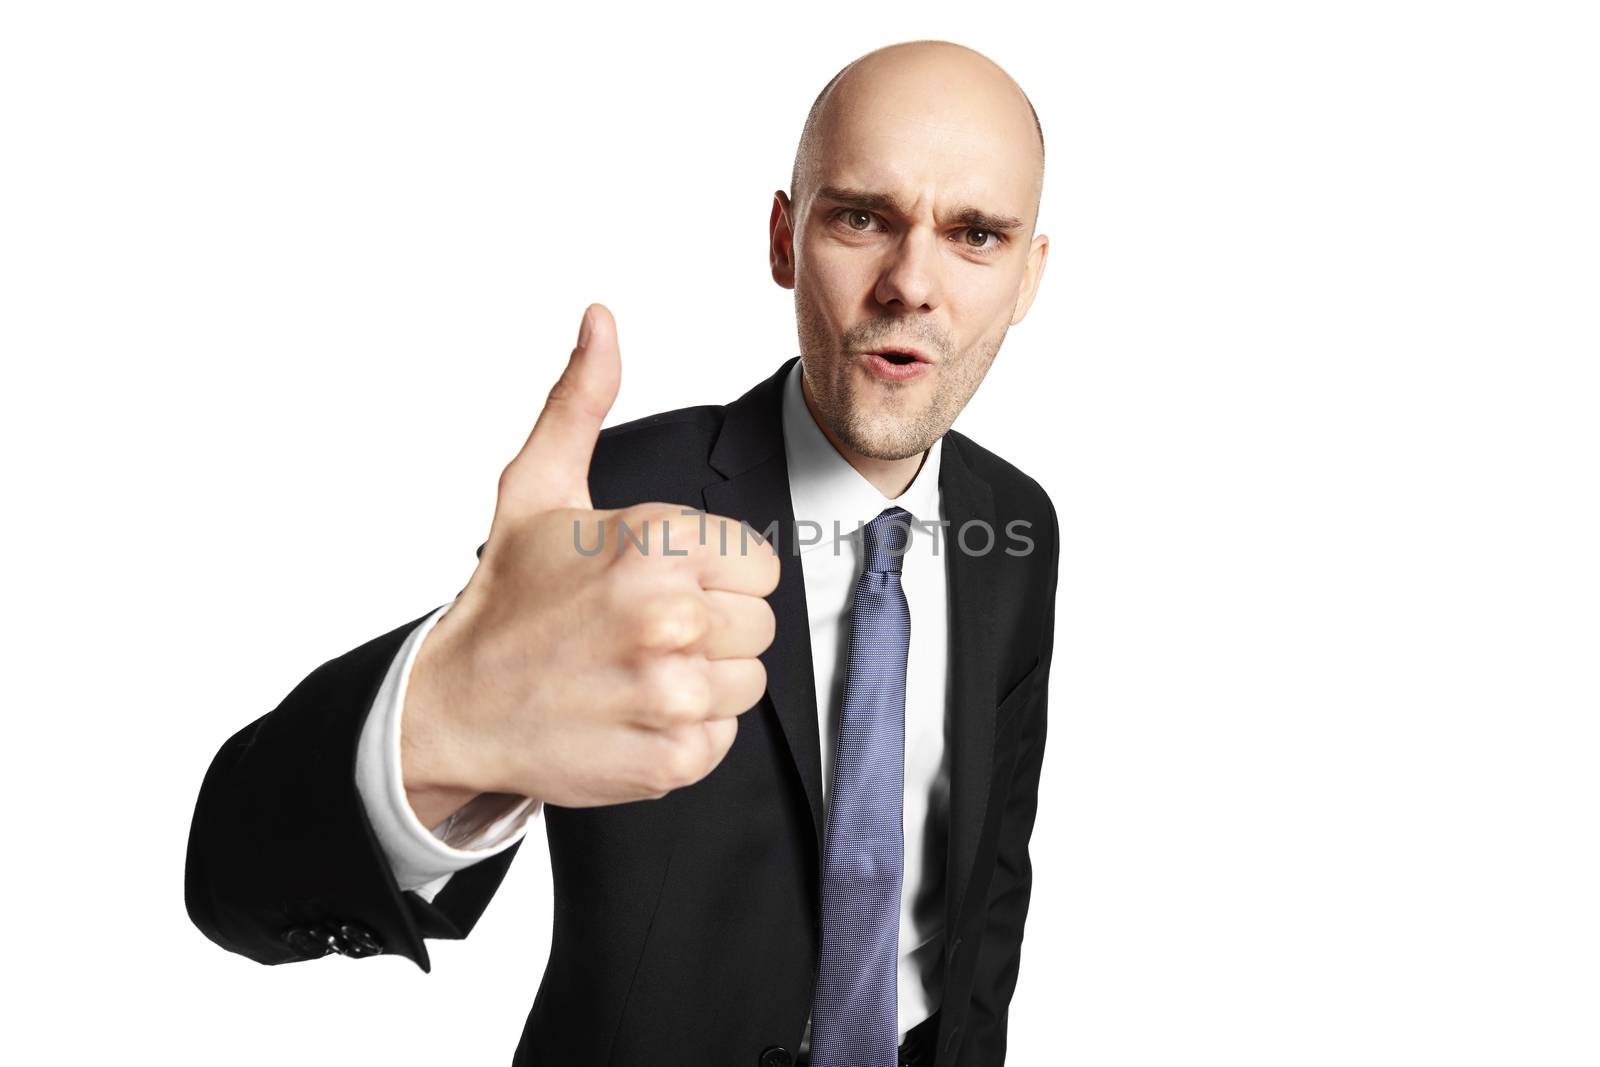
x,y
310,941
776,1056
954,949
358,941
954,1033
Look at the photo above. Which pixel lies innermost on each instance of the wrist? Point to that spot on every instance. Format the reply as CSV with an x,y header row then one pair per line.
x,y
431,769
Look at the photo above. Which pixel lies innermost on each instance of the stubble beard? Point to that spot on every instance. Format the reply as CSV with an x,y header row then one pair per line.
x,y
892,429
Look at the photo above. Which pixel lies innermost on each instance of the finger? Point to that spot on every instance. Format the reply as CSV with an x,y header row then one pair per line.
x,y
737,685
740,625
552,469
674,757
681,689
671,690
736,559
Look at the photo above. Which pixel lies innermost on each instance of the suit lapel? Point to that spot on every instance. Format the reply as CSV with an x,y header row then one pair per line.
x,y
749,453
967,498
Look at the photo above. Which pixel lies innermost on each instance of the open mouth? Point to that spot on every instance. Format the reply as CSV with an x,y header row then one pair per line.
x,y
897,366
901,357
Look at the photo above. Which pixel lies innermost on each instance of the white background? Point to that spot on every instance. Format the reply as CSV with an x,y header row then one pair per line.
x,y
1311,378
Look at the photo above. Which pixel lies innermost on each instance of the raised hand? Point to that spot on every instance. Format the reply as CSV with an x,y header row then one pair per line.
x,y
580,676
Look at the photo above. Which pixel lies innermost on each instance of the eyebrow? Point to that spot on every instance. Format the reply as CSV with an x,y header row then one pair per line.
x,y
871,201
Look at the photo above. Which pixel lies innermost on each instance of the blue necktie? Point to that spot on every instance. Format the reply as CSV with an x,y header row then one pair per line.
x,y
854,1016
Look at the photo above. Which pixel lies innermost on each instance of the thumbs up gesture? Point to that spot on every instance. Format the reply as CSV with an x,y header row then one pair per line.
x,y
584,677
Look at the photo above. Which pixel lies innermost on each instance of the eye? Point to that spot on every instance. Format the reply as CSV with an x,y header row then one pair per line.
x,y
981,244
977,238
855,218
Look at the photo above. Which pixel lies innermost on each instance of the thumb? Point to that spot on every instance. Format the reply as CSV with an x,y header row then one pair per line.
x,y
552,470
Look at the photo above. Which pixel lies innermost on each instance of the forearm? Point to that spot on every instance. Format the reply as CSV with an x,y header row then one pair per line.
x,y
426,849
279,839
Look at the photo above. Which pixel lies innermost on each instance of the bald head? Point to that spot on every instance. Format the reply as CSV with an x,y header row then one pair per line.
x,y
938,83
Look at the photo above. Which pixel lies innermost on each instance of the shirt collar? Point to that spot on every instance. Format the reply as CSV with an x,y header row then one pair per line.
x,y
824,488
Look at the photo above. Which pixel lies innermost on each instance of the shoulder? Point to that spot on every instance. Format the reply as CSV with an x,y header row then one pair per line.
x,y
1017,494
678,426
664,456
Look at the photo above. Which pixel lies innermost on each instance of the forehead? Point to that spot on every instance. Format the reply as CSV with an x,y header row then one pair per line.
x,y
927,150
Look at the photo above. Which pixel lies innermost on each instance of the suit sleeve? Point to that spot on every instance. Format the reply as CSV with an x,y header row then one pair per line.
x,y
283,863
983,1042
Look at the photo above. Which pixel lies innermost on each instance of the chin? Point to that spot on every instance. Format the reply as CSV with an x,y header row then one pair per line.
x,y
887,438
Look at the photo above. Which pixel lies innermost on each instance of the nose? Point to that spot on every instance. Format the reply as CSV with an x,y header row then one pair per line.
x,y
910,274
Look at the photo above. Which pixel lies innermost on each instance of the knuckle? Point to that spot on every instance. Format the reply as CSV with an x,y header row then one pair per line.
x,y
633,514
671,622
506,486
680,760
562,391
676,696
652,529
651,511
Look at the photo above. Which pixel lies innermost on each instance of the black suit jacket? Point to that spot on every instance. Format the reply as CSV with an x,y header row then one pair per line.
x,y
685,928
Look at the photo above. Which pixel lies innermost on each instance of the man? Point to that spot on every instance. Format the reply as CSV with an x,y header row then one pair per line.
x,y
788,777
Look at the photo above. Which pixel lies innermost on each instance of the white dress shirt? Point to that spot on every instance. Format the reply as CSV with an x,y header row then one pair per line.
x,y
831,502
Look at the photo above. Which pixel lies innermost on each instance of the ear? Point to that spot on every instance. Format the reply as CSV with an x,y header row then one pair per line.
x,y
1031,273
780,231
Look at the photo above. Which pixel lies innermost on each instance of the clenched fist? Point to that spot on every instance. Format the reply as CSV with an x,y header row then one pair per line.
x,y
576,667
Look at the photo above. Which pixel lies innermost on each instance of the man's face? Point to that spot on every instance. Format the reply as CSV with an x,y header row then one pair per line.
x,y
913,232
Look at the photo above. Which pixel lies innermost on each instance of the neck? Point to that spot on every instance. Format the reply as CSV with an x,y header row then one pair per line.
x,y
891,477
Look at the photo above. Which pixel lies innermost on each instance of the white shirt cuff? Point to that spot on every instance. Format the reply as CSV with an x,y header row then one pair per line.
x,y
424,860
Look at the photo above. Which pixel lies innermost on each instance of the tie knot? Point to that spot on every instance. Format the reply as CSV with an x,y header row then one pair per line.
x,y
884,540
